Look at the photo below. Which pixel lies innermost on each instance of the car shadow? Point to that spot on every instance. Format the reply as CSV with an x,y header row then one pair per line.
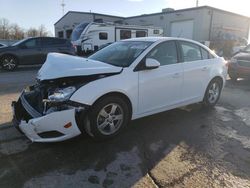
x,y
142,146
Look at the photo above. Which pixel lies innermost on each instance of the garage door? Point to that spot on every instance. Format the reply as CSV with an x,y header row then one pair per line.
x,y
182,29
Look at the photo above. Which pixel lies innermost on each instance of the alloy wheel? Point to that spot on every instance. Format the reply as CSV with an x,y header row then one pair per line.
x,y
110,119
213,92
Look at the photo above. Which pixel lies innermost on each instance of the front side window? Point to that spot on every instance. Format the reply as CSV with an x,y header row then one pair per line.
x,y
31,43
103,36
125,34
190,51
121,54
165,53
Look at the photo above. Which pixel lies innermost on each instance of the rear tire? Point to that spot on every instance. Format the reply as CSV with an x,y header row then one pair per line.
x,y
8,62
107,117
213,93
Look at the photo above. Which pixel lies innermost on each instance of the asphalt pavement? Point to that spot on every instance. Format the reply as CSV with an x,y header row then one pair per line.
x,y
186,147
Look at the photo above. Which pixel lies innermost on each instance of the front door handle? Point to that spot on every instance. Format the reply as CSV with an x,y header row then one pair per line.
x,y
204,68
176,75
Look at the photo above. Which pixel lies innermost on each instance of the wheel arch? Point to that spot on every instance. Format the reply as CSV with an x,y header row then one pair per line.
x,y
10,54
214,78
217,78
119,94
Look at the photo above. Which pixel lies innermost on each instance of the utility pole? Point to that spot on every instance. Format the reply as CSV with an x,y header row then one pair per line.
x,y
197,3
63,5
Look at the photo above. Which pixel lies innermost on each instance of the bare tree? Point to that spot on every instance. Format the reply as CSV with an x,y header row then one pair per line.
x,y
32,32
4,28
16,32
42,31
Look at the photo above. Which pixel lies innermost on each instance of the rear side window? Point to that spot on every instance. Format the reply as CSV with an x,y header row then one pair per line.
x,y
205,54
190,51
125,34
103,36
165,53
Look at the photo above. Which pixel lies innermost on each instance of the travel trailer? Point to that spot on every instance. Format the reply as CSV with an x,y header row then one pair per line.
x,y
90,37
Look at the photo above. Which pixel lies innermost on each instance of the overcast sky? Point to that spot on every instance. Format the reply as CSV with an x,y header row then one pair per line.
x,y
32,13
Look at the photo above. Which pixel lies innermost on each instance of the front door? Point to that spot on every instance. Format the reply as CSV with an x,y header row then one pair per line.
x,y
31,52
161,88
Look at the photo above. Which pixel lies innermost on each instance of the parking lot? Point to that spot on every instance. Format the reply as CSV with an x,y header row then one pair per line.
x,y
187,147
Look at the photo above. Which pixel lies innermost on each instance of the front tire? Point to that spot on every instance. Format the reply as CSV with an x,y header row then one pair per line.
x,y
213,93
107,117
8,62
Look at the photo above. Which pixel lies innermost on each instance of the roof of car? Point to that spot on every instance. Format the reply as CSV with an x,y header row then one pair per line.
x,y
155,39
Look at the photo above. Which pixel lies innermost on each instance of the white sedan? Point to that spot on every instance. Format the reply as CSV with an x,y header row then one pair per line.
x,y
127,80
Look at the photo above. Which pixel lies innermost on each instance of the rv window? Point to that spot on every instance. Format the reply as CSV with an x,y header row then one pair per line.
x,y
156,32
103,36
60,34
141,34
125,34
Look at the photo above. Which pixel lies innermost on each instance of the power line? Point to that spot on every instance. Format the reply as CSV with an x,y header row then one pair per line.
x,y
63,5
197,3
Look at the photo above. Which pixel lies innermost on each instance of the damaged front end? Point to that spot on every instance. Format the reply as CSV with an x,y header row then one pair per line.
x,y
44,112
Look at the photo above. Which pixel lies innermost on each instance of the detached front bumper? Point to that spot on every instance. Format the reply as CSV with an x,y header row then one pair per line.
x,y
53,127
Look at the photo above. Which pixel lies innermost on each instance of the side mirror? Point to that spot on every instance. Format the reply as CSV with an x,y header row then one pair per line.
x,y
152,63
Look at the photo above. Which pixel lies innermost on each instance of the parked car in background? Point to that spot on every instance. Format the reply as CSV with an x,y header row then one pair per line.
x,y
33,51
126,80
2,45
239,65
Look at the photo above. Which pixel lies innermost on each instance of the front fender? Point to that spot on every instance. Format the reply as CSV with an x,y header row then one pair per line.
x,y
125,83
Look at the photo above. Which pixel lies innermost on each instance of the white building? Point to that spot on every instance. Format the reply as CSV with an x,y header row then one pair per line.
x,y
200,23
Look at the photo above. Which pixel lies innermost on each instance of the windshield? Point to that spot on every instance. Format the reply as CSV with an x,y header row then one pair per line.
x,y
121,54
78,31
19,42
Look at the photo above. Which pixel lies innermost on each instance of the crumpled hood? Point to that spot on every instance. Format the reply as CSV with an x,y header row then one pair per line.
x,y
61,65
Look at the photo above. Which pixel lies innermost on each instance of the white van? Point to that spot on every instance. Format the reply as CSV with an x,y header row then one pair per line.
x,y
90,37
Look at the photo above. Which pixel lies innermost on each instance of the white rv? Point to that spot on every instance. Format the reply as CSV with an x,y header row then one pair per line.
x,y
90,37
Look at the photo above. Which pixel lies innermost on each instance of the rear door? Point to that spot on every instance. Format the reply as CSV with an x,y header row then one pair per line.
x,y
30,51
196,71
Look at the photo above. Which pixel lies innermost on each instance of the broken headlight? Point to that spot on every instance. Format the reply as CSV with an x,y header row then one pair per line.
x,y
62,94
